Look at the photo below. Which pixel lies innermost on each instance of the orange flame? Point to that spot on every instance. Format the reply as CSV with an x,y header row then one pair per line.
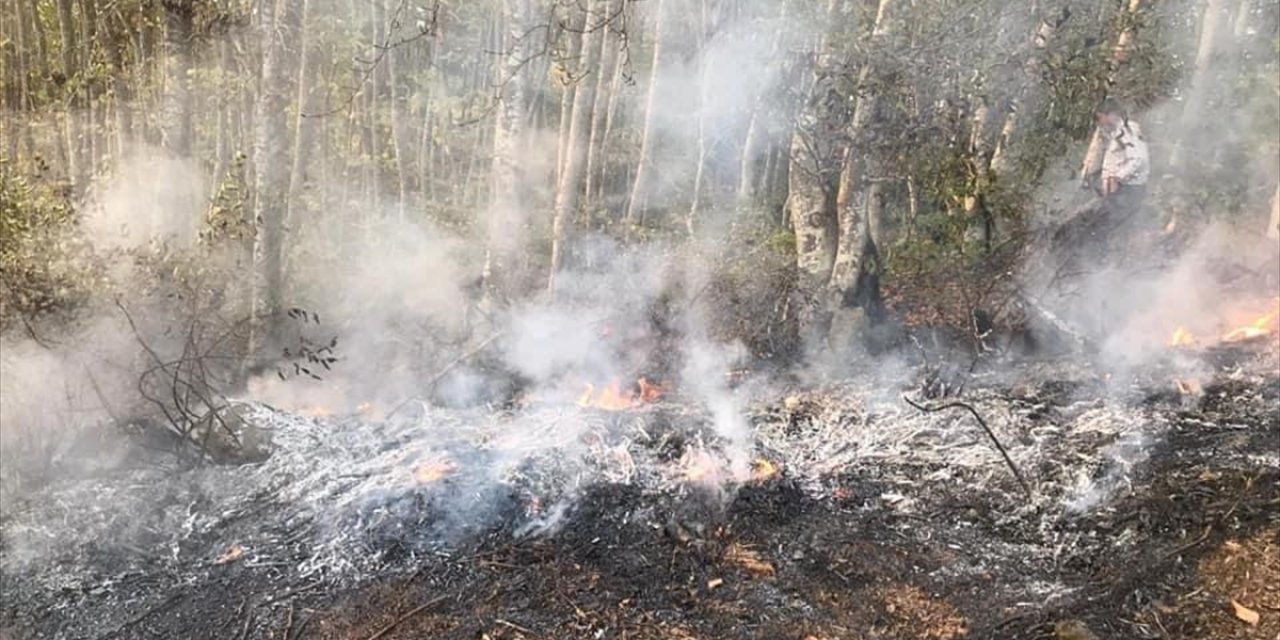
x,y
316,411
1265,324
613,397
1181,338
700,466
763,470
651,392
434,470
1188,387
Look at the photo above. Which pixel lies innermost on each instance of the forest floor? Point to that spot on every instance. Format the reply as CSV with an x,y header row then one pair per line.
x,y
1151,514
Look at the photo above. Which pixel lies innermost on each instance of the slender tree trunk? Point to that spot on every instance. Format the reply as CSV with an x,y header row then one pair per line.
x,y
506,219
704,99
41,65
608,59
373,113
570,187
638,205
304,122
399,132
570,82
610,119
860,200
817,149
1201,76
280,24
116,38
74,104
1025,99
224,103
1119,55
1273,225
176,122
21,68
92,147
1244,14
426,141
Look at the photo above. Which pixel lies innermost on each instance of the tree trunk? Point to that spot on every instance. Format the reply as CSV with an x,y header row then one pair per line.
x,y
280,24
610,119
74,104
1201,77
638,206
1119,54
1273,226
89,15
1023,100
506,219
608,56
22,70
399,133
817,149
176,120
569,81
860,199
704,75
224,104
117,37
304,122
584,104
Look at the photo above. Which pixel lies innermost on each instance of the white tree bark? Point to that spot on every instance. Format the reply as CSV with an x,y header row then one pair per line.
x,y
584,103
638,206
1119,55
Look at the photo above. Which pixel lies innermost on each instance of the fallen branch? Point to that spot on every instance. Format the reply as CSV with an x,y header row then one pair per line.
x,y
431,384
983,423
1248,484
412,612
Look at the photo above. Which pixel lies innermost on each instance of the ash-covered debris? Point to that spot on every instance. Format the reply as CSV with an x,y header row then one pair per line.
x,y
850,492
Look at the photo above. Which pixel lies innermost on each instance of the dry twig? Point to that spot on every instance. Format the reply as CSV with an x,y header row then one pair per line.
x,y
982,423
412,612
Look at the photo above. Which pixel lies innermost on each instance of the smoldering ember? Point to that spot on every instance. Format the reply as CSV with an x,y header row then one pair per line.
x,y
640,319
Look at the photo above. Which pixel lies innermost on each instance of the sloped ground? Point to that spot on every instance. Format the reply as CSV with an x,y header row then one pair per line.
x,y
1150,512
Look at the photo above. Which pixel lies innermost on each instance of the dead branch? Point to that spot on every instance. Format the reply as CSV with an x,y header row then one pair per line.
x,y
983,423
431,384
412,612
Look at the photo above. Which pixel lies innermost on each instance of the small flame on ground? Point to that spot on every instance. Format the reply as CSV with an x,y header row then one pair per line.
x,y
700,466
1266,324
434,470
613,397
1188,387
316,411
763,470
1181,338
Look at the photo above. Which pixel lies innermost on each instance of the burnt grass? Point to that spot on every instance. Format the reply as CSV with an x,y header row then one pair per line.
x,y
771,560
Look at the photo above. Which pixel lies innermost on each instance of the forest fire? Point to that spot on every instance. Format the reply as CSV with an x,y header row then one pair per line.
x,y
1181,338
763,470
699,467
1264,325
613,397
1188,387
435,470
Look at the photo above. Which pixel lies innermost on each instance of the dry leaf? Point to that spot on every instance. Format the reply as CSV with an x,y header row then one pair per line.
x,y
749,559
230,555
1245,613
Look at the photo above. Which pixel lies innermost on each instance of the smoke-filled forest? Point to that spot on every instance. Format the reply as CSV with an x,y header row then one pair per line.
x,y
640,319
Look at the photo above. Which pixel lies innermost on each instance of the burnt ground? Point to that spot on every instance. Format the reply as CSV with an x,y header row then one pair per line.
x,y
1151,511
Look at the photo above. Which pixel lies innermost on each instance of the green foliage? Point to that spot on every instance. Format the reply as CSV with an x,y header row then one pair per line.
x,y
45,266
